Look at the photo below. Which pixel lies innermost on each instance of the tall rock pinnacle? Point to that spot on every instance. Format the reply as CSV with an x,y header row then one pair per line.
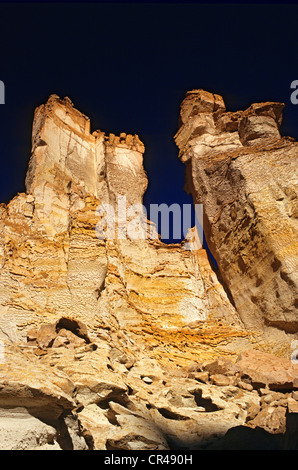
x,y
245,175
68,162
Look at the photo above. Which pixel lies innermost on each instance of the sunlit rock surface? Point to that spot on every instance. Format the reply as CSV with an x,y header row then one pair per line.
x,y
245,174
123,343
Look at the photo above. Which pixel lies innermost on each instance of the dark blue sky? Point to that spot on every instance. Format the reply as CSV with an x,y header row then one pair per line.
x,y
128,67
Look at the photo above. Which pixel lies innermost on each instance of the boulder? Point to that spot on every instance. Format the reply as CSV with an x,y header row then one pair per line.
x,y
262,369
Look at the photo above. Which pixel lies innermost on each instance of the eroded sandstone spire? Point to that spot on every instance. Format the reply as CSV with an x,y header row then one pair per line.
x,y
245,175
69,163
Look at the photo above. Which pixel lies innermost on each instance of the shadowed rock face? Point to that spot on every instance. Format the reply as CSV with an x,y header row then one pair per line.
x,y
118,343
245,175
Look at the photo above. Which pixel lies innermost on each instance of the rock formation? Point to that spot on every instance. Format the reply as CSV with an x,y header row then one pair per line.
x,y
118,342
245,175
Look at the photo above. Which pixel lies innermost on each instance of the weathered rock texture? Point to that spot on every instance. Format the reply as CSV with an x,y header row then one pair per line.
x,y
54,264
245,175
123,343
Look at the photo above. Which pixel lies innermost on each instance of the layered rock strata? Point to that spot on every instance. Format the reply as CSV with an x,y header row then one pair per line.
x,y
245,175
113,342
55,263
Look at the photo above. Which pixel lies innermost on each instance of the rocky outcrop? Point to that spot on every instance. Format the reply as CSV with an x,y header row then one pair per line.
x,y
245,175
55,263
110,341
75,397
